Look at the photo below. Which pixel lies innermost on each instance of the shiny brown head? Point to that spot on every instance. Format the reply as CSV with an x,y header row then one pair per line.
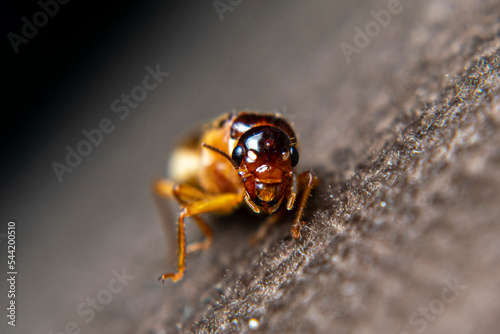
x,y
264,156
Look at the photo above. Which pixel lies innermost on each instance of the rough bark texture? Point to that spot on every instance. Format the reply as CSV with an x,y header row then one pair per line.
x,y
408,156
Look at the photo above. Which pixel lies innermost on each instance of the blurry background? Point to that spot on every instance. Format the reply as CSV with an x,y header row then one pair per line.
x,y
73,236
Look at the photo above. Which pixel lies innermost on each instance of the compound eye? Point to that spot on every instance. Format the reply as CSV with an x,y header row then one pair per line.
x,y
237,154
295,156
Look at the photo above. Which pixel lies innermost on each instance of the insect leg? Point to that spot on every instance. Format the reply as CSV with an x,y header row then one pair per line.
x,y
214,203
307,181
194,208
221,202
184,194
207,231
181,253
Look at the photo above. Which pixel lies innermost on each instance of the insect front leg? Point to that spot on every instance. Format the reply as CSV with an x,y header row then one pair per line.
x,y
306,181
184,194
181,253
195,208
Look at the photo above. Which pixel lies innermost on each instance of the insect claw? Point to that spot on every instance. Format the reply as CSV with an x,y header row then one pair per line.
x,y
296,230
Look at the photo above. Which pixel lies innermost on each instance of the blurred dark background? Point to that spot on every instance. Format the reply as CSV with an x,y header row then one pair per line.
x,y
78,43
61,82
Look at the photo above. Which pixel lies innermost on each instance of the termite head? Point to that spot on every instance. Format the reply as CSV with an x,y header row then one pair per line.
x,y
264,157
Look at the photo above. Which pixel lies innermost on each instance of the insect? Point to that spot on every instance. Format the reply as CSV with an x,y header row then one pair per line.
x,y
240,157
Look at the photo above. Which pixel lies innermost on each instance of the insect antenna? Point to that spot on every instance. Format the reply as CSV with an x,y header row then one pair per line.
x,y
216,150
